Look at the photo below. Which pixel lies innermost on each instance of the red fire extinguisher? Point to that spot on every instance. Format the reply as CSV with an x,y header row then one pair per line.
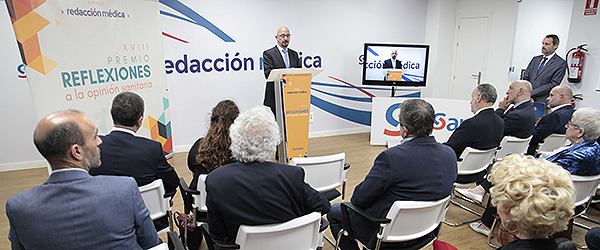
x,y
575,61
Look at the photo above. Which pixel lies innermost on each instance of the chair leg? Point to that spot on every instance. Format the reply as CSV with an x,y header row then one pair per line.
x,y
583,216
462,222
491,235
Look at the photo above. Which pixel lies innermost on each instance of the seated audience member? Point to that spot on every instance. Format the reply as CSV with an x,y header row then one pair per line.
x,y
125,154
583,156
519,120
254,191
418,169
535,199
592,238
559,101
212,151
73,210
482,131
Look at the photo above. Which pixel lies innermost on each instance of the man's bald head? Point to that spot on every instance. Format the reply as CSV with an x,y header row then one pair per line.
x,y
559,95
57,133
518,91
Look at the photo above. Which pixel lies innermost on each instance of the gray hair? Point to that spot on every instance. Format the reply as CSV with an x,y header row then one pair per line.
x,y
254,135
589,120
417,115
488,92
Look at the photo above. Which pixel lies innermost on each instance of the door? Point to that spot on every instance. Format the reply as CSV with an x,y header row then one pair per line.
x,y
470,54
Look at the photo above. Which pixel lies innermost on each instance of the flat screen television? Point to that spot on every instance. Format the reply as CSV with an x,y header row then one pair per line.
x,y
413,61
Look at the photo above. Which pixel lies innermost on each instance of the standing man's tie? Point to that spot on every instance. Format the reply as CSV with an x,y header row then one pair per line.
x,y
541,65
286,58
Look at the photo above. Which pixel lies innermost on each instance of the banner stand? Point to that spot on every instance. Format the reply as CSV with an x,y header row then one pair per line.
x,y
292,105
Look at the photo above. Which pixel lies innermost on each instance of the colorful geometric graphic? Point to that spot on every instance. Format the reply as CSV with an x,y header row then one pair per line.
x,y
160,131
27,24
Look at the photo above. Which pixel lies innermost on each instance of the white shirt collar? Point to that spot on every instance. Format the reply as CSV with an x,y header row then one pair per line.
x,y
123,130
481,109
68,169
559,106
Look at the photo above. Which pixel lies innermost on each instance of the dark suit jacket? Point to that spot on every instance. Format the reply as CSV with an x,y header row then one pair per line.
x,y
520,122
141,158
255,194
482,131
387,64
552,123
418,170
272,59
551,75
73,210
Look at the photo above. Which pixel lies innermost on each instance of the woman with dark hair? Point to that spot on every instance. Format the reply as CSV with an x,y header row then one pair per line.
x,y
212,151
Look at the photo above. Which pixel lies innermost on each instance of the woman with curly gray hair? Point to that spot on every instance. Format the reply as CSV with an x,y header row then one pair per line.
x,y
535,199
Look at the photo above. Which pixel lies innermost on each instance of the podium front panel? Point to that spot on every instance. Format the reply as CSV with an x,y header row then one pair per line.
x,y
296,98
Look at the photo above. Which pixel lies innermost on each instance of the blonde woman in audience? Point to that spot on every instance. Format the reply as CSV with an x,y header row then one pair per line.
x,y
535,199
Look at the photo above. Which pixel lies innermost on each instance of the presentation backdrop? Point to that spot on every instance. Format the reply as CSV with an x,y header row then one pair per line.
x,y
449,114
80,54
213,51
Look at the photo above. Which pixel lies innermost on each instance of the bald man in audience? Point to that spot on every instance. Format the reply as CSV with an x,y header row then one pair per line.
x,y
72,209
559,101
517,110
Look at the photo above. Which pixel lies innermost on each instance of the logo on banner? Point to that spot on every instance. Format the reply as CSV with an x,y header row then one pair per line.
x,y
441,121
193,17
21,71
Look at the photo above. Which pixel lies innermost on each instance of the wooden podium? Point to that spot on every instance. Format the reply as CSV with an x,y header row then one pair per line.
x,y
292,105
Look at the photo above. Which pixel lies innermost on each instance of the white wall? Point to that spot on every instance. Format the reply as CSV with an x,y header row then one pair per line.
x,y
533,25
584,29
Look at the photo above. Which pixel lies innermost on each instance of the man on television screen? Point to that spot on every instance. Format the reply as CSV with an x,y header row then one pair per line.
x,y
392,63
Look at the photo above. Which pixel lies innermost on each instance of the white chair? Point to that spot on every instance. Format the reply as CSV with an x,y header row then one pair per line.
x,y
159,206
512,145
471,161
301,233
161,246
585,188
323,173
405,221
551,143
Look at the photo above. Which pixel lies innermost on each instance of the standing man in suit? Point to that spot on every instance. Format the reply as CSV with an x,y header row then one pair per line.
x,y
392,63
73,210
125,154
255,191
418,169
559,101
278,57
545,71
482,131
519,118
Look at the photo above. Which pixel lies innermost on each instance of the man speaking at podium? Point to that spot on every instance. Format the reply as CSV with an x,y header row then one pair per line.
x,y
392,63
278,57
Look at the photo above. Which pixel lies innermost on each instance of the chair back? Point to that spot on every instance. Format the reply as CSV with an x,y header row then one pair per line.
x,y
413,219
153,196
512,145
323,173
200,199
475,160
301,233
553,142
585,187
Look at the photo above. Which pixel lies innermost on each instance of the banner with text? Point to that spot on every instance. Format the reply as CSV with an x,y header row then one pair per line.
x,y
296,98
81,53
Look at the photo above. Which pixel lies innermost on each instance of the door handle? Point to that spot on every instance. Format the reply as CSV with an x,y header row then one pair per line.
x,y
478,77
